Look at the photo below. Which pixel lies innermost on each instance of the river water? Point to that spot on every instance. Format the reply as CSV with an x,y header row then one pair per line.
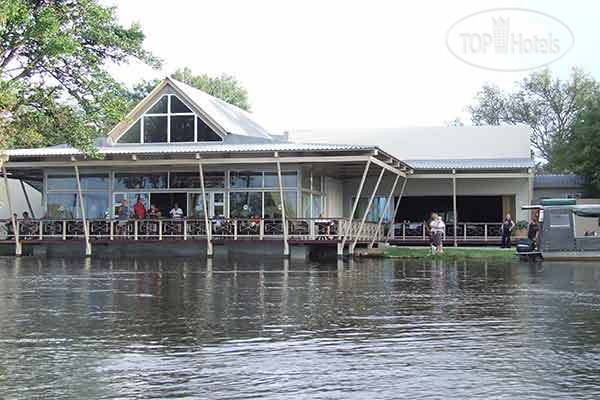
x,y
268,328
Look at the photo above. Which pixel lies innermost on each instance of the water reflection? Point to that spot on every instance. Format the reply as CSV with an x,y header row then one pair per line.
x,y
256,327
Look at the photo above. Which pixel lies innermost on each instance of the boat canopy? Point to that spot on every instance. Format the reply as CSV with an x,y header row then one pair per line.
x,y
559,202
587,210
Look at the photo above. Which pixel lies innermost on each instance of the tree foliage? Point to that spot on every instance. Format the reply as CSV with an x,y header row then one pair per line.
x,y
54,83
547,104
224,87
581,154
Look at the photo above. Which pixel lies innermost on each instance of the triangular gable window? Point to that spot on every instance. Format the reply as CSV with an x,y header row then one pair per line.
x,y
169,120
177,106
132,135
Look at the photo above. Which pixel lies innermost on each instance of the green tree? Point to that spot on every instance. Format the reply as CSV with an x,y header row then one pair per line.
x,y
224,87
581,154
547,104
54,83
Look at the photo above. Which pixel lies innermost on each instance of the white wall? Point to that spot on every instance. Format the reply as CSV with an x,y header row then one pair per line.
x,y
414,143
519,187
18,199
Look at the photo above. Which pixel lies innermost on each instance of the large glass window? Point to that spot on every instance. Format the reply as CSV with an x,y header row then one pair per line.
x,y
316,183
132,199
376,210
317,206
160,107
179,119
182,128
66,205
205,133
177,106
273,204
306,179
197,205
87,181
155,129
133,133
140,181
183,180
245,204
246,179
289,179
306,205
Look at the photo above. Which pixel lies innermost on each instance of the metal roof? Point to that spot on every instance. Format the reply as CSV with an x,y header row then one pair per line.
x,y
231,118
558,181
188,148
471,163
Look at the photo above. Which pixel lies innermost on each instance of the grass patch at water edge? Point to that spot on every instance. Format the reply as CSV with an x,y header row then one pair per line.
x,y
451,253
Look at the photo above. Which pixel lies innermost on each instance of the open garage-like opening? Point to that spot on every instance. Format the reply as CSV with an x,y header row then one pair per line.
x,y
484,209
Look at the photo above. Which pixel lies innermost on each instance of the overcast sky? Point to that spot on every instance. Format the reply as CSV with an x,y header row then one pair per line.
x,y
334,64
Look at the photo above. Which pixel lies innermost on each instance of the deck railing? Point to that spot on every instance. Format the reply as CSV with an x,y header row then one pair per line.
x,y
475,231
237,229
189,229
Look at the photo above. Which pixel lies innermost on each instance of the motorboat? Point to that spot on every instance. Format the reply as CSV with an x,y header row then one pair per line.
x,y
567,231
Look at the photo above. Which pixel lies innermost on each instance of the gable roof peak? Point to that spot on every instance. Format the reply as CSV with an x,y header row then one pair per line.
x,y
231,118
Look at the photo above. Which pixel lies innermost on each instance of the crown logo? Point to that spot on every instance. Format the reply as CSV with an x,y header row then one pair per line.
x,y
500,30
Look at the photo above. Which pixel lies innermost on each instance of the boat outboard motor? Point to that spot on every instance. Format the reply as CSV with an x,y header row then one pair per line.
x,y
525,246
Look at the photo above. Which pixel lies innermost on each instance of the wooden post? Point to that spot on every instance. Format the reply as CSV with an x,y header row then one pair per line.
x,y
349,223
13,220
454,206
286,246
27,199
387,203
364,218
391,231
86,232
209,244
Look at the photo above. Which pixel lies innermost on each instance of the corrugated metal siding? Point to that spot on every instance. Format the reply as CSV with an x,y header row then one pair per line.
x,y
557,181
188,148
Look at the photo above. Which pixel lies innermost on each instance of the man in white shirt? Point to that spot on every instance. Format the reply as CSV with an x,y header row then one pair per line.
x,y
176,212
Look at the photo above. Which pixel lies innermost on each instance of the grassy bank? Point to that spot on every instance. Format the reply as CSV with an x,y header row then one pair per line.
x,y
450,253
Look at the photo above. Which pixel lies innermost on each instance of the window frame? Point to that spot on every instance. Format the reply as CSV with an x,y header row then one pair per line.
x,y
168,114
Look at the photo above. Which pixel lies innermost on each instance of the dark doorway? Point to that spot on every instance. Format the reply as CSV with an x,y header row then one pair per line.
x,y
470,208
165,201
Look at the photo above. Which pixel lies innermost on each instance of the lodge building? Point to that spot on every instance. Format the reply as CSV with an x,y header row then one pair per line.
x,y
236,182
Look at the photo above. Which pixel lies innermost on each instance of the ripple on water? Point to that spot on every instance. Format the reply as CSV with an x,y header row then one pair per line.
x,y
256,328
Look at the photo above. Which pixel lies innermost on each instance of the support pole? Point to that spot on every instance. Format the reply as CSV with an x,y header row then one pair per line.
x,y
391,231
209,243
387,203
364,218
286,245
18,248
27,199
86,232
454,206
349,226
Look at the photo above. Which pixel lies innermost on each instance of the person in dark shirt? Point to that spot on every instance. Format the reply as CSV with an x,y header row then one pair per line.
x,y
507,227
532,232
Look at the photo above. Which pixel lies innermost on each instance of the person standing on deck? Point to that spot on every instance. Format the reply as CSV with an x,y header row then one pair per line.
x,y
507,227
139,208
176,212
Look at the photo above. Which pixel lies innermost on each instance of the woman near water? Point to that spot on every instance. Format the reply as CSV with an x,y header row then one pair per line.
x,y
507,227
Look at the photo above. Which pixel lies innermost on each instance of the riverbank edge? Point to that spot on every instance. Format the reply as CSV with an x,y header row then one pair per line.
x,y
450,253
